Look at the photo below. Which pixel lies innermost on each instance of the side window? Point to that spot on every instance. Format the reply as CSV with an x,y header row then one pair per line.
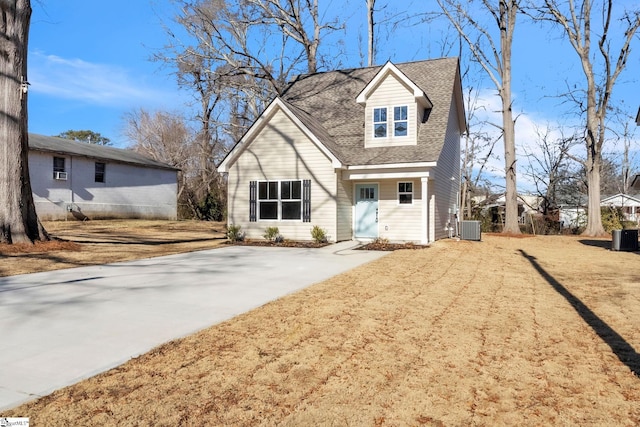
x,y
59,172
405,193
99,171
58,164
400,121
380,122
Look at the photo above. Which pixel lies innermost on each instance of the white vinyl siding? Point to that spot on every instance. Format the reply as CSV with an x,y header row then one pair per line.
x,y
446,178
344,210
281,151
399,223
391,93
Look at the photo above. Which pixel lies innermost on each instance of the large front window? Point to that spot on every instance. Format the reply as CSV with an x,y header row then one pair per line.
x,y
280,200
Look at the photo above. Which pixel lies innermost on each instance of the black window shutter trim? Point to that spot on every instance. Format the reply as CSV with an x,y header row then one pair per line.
x,y
306,200
253,186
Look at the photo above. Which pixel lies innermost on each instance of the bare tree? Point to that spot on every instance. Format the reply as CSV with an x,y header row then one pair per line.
x,y
493,53
478,150
549,164
166,137
18,219
371,52
601,70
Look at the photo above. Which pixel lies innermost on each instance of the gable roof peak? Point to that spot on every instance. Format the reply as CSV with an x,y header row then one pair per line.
x,y
390,69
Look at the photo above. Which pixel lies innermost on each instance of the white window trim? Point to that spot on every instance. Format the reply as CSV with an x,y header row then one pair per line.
x,y
373,121
412,193
393,121
279,200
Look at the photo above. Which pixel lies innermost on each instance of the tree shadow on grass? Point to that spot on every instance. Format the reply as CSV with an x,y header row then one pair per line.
x,y
620,347
604,244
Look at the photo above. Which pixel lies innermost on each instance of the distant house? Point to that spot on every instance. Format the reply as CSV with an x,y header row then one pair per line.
x,y
77,179
630,205
363,153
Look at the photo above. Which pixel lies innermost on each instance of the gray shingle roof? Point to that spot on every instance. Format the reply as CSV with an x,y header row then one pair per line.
x,y
326,104
54,144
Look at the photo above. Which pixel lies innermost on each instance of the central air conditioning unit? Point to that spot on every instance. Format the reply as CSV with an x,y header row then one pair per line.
x,y
60,176
624,240
470,230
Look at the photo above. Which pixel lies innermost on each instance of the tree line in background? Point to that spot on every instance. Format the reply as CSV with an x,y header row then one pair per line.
x,y
234,56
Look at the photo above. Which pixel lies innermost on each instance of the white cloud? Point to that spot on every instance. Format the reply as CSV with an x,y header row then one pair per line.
x,y
101,84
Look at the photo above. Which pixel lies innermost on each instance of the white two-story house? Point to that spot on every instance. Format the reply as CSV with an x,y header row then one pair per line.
x,y
363,153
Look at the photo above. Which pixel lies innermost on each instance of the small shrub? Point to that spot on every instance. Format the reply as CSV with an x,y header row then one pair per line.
x,y
611,218
318,234
235,233
272,234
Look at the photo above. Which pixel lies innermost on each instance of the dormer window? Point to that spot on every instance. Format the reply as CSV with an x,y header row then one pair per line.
x,y
380,122
400,121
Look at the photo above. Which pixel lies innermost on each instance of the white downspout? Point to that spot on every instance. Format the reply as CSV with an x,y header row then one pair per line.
x,y
425,211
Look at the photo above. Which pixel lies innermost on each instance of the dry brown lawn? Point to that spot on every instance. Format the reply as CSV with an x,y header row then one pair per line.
x,y
534,331
77,243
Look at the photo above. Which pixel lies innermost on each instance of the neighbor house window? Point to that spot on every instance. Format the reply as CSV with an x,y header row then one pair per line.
x,y
280,200
99,172
405,193
380,122
59,172
58,164
400,125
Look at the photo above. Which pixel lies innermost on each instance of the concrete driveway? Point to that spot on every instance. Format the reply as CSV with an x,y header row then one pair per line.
x,y
59,327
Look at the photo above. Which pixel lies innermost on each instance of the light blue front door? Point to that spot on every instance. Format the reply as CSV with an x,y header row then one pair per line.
x,y
366,216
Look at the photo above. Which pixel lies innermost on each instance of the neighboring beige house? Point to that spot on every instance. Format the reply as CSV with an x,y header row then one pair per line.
x,y
72,179
363,153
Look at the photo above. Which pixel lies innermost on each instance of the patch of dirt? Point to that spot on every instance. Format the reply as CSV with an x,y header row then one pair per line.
x,y
505,331
39,247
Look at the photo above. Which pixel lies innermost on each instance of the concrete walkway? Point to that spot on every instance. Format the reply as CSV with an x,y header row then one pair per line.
x,y
59,327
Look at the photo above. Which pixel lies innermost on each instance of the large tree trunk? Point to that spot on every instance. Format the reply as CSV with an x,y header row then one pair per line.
x,y
594,218
18,219
508,19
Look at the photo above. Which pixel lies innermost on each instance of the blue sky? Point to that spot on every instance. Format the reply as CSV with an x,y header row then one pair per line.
x,y
89,64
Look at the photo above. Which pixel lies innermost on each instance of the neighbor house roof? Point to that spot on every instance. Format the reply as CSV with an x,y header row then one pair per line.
x,y
326,102
63,146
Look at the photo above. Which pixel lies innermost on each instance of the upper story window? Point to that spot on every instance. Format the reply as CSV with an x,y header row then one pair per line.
x,y
99,171
400,124
380,122
391,125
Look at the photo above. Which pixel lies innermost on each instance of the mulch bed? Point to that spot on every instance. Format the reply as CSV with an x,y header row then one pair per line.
x,y
385,246
283,244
